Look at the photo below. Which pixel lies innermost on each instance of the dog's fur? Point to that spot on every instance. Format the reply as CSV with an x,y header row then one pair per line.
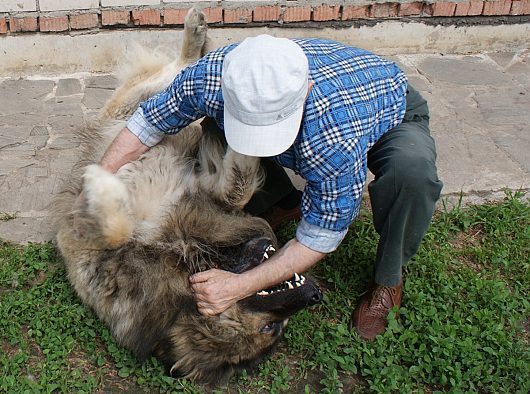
x,y
131,246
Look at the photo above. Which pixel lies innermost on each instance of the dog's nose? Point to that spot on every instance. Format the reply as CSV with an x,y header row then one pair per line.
x,y
315,297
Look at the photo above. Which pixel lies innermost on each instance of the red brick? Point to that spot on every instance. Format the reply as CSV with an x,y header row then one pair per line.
x,y
526,7
473,7
476,8
517,7
23,24
266,13
410,9
443,9
238,16
3,25
520,7
84,21
53,23
174,16
385,10
355,12
213,15
501,7
326,12
112,18
146,17
297,14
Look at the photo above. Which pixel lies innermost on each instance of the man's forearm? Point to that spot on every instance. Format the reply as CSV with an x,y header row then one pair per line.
x,y
125,148
293,257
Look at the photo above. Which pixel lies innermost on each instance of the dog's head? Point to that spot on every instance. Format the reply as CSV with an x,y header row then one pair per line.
x,y
211,349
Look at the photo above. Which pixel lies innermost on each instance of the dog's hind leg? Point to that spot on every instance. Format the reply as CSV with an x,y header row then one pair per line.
x,y
195,29
147,76
229,177
241,178
108,203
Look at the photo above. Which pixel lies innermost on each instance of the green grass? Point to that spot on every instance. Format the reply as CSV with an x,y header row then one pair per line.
x,y
464,325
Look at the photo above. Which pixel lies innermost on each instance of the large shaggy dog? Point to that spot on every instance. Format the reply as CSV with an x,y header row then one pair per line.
x,y
130,248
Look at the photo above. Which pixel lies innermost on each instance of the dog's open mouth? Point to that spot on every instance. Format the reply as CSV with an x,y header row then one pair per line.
x,y
290,284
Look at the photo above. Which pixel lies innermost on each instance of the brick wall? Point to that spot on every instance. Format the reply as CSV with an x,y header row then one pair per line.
x,y
51,16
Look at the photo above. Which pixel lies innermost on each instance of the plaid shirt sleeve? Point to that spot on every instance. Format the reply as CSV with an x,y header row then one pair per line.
x,y
171,110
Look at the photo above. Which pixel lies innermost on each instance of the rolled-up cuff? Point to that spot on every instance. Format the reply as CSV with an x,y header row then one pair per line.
x,y
148,134
318,238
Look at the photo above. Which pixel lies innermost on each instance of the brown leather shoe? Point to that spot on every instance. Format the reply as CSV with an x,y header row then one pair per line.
x,y
370,316
277,216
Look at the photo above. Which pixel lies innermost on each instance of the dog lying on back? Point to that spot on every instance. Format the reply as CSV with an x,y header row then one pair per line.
x,y
175,211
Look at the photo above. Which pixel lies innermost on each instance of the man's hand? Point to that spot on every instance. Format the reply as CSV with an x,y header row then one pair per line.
x,y
216,290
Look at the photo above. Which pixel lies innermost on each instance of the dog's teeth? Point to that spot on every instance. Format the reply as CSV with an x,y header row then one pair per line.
x,y
263,293
298,284
265,255
303,280
296,277
289,284
270,248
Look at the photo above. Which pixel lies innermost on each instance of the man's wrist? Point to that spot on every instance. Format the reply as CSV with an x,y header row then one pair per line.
x,y
245,284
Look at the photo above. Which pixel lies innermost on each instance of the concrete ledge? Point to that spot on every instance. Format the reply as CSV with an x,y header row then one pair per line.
x,y
98,53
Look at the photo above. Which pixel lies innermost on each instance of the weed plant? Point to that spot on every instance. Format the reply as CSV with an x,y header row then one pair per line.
x,y
463,326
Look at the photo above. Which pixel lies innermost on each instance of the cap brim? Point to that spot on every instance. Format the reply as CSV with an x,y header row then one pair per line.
x,y
262,141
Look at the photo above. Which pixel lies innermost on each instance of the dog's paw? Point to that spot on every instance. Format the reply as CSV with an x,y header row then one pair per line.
x,y
195,22
102,189
108,203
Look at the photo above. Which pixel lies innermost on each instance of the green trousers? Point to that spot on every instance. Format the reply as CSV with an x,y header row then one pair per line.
x,y
402,195
404,191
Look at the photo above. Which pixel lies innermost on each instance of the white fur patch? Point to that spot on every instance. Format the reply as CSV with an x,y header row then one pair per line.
x,y
108,202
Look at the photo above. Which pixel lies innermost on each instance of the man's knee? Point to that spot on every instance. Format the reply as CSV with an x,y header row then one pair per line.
x,y
415,173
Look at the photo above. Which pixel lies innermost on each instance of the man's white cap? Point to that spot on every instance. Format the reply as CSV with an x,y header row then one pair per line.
x,y
264,84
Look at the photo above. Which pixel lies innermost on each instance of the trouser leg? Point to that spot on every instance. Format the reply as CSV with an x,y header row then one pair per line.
x,y
405,189
277,188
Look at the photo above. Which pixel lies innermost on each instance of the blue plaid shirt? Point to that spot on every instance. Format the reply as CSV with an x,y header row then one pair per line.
x,y
355,99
